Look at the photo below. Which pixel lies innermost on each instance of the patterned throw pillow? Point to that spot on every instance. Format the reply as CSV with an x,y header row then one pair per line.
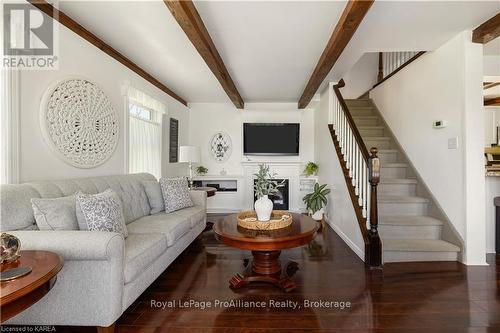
x,y
175,193
100,212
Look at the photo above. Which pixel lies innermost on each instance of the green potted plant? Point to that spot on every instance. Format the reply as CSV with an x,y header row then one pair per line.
x,y
310,169
201,170
316,201
265,186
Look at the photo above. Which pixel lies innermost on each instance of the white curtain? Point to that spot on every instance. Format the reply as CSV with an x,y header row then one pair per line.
x,y
142,99
144,146
9,126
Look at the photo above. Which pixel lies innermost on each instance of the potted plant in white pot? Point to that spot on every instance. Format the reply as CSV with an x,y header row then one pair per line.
x,y
265,186
316,201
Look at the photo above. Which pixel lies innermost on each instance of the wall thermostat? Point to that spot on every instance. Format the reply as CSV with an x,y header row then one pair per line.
x,y
439,124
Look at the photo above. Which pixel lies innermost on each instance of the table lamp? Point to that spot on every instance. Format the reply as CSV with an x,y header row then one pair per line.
x,y
189,154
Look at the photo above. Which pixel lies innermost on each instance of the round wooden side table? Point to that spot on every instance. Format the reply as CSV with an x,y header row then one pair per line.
x,y
19,294
266,248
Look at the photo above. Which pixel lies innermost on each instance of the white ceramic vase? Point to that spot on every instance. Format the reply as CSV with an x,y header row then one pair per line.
x,y
263,208
318,215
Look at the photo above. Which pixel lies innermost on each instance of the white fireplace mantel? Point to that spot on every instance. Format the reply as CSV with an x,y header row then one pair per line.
x,y
290,170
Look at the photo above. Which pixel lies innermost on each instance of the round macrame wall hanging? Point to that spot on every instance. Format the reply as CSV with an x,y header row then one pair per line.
x,y
79,123
220,147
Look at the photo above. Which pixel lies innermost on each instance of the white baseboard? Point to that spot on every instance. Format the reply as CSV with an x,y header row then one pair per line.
x,y
359,252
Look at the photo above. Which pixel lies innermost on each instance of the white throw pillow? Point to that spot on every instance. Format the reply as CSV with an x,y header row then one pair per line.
x,y
55,213
100,212
175,193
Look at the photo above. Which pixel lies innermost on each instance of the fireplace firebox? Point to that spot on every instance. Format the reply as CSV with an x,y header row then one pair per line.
x,y
281,199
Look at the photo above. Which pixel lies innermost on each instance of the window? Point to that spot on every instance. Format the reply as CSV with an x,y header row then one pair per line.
x,y
145,133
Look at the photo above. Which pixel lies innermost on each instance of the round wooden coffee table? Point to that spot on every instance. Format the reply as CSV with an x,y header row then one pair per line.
x,y
266,248
19,294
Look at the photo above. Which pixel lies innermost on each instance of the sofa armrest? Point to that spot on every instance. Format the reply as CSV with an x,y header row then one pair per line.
x,y
74,244
199,198
90,286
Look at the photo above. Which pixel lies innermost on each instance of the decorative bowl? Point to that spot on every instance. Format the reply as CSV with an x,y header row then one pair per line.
x,y
9,248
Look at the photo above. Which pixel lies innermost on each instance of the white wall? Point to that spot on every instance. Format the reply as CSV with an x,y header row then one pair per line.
x,y
444,84
491,121
340,214
362,77
491,65
79,58
208,118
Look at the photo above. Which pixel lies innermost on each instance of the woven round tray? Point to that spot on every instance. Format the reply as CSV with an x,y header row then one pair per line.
x,y
279,219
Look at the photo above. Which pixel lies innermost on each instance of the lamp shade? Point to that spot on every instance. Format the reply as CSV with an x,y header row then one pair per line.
x,y
189,154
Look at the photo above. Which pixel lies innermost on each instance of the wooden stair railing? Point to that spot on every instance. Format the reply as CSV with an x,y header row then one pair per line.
x,y
361,172
389,63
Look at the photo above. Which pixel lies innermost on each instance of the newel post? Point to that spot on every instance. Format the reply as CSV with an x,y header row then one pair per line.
x,y
380,76
375,247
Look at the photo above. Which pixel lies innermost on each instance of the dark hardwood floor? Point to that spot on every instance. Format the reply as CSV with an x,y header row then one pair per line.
x,y
403,297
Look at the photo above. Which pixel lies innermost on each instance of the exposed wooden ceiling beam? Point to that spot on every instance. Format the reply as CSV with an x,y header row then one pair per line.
x,y
77,28
349,22
487,31
190,21
492,101
488,85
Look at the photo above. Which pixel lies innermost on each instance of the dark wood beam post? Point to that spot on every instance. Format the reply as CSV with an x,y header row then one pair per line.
x,y
190,21
347,25
487,31
492,101
380,66
78,29
374,257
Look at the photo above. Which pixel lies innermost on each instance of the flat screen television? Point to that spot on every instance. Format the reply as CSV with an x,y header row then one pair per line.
x,y
271,139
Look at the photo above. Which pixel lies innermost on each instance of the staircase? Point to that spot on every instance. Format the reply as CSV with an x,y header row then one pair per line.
x,y
407,230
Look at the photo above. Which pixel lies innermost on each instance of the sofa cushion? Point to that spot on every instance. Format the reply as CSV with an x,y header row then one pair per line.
x,y
175,193
196,214
155,197
15,205
141,250
55,213
100,212
172,225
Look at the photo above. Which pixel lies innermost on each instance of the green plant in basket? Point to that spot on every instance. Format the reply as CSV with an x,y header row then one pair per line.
x,y
310,169
316,200
201,170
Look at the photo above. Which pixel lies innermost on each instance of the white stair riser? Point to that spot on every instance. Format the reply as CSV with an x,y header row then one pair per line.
x,y
401,256
388,157
397,189
387,231
392,172
380,144
366,133
404,208
366,121
355,112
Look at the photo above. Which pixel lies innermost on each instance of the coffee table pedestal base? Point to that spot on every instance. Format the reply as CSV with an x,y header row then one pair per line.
x,y
266,267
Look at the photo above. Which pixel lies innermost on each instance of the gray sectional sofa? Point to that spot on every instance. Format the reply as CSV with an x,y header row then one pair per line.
x,y
103,273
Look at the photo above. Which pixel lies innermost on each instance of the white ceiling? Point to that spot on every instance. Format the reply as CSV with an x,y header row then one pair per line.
x,y
269,47
411,26
146,33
